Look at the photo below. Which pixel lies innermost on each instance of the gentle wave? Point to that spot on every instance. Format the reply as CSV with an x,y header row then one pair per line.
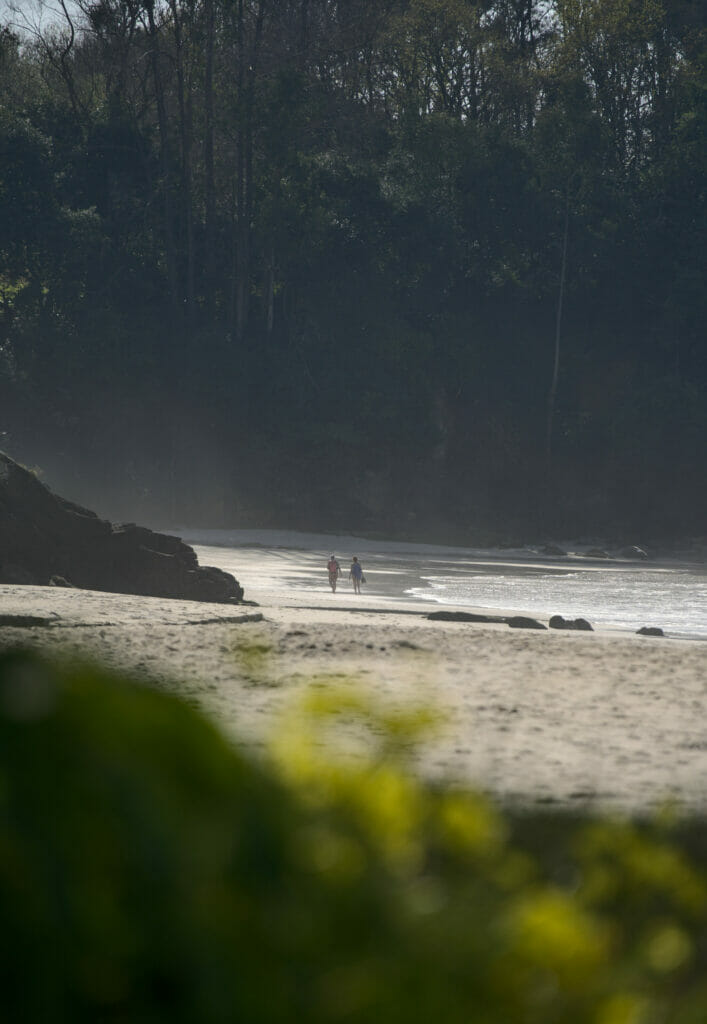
x,y
675,600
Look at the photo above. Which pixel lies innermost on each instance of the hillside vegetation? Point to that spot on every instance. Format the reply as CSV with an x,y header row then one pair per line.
x,y
414,266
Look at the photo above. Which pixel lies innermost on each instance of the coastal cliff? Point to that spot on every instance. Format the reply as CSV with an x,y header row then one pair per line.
x,y
47,540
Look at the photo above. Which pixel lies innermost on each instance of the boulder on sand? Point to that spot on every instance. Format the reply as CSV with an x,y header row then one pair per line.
x,y
445,616
559,622
44,537
514,621
523,622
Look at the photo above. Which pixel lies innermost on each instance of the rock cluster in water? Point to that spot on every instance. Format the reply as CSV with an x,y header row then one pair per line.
x,y
47,540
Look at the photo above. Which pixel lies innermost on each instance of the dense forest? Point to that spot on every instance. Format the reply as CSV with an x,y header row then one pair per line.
x,y
430,268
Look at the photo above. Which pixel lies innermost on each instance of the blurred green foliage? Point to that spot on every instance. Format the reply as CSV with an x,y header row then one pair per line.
x,y
151,872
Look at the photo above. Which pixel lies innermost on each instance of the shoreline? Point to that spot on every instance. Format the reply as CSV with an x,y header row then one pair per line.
x,y
428,579
607,719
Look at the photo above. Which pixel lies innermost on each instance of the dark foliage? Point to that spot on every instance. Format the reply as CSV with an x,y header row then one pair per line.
x,y
426,267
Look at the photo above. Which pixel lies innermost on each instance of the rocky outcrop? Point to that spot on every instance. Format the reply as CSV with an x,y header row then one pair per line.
x,y
523,622
650,631
559,622
514,621
45,539
633,551
464,617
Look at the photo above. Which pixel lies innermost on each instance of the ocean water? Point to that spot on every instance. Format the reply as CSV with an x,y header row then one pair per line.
x,y
625,598
618,594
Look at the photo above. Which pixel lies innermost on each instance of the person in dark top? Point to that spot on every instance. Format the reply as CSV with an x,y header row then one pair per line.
x,y
356,574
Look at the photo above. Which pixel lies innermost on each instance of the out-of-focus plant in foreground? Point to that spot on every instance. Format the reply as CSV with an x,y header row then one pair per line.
x,y
150,872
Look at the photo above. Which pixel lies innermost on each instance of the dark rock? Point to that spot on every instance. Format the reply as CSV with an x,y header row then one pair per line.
x,y
558,622
45,538
552,549
464,617
129,537
633,552
597,553
59,581
650,631
515,621
27,621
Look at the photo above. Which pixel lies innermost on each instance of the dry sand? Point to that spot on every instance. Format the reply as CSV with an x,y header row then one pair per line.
x,y
606,718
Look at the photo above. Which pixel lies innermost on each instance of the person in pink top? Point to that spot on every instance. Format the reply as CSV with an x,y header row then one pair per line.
x,y
334,570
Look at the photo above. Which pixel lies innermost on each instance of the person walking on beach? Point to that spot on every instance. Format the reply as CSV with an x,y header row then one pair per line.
x,y
356,574
334,570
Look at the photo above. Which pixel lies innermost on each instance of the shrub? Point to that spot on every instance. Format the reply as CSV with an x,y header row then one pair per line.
x,y
151,872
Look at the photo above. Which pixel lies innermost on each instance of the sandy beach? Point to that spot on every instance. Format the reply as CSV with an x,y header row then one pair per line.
x,y
605,718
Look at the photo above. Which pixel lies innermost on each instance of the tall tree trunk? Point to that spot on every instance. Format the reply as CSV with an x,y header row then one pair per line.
x,y
241,255
552,396
270,295
209,174
185,137
247,77
59,51
170,250
304,32
126,43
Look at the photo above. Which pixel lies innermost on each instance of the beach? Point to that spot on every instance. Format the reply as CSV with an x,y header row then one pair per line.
x,y
606,719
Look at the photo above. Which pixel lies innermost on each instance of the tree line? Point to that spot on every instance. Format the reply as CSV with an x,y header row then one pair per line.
x,y
430,266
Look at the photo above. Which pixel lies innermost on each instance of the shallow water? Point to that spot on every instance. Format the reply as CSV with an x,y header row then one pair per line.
x,y
623,595
626,598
